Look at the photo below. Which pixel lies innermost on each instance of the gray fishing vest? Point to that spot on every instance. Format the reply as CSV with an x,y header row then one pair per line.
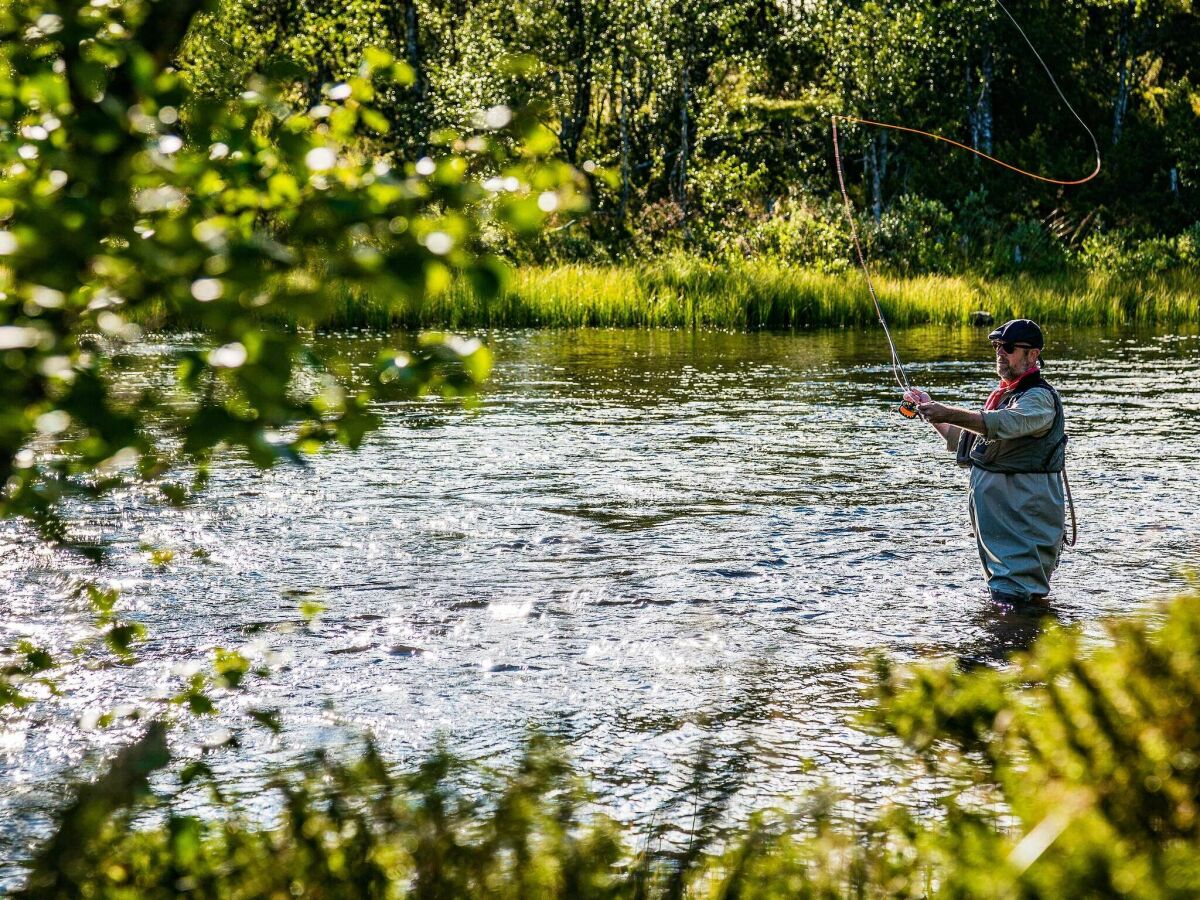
x,y
1046,453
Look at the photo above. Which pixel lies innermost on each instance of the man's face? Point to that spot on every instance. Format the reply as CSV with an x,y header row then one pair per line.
x,y
1017,362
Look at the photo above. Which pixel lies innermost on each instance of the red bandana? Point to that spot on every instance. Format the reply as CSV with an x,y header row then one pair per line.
x,y
994,398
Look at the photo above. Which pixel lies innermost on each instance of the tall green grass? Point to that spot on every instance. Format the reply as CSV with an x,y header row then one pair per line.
x,y
687,292
691,293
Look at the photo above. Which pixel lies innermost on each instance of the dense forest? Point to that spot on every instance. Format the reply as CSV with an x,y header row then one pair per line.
x,y
704,126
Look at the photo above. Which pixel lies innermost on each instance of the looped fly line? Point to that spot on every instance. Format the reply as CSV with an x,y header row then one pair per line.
x,y
897,367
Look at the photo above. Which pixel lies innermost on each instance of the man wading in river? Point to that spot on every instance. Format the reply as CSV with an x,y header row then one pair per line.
x,y
1015,448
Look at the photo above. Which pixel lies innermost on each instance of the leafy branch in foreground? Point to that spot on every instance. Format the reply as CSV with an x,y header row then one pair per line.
x,y
1095,754
1076,774
125,194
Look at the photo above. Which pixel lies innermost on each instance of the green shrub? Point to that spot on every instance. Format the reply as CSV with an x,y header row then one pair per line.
x,y
915,235
722,200
1029,247
1121,253
1189,246
1096,755
800,235
1070,772
657,228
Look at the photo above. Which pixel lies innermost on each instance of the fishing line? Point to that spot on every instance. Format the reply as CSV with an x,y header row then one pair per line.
x,y
907,408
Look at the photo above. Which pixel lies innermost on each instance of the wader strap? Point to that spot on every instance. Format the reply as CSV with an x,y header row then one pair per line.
x,y
1071,505
1059,415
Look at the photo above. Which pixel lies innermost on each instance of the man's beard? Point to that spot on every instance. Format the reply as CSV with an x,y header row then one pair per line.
x,y
1004,370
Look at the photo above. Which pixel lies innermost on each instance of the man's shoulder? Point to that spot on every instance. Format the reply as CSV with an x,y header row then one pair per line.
x,y
1036,397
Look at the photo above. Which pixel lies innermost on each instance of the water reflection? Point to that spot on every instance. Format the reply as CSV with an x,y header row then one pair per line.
x,y
1005,629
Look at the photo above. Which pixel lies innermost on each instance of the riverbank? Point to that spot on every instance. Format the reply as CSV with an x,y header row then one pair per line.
x,y
690,293
682,292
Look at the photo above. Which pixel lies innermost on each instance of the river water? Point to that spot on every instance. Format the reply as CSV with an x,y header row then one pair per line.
x,y
643,542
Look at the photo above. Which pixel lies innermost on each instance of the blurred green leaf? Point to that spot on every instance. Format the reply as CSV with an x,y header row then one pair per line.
x,y
230,668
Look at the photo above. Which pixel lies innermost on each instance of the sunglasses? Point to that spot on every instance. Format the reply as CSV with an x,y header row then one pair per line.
x,y
1010,347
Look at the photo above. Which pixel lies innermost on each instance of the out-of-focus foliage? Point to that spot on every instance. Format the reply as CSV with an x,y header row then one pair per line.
x,y
701,122
1074,772
1095,754
129,194
125,192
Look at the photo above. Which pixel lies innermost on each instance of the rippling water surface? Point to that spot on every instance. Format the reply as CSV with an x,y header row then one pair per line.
x,y
642,542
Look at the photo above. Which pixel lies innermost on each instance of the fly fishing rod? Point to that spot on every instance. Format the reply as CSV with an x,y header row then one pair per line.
x,y
908,409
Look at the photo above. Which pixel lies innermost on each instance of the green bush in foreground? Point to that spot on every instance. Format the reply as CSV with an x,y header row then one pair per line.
x,y
1075,773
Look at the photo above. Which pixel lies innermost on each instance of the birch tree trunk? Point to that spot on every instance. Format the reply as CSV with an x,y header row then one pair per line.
x,y
1121,100
878,156
986,73
405,29
575,120
972,110
684,142
979,105
626,170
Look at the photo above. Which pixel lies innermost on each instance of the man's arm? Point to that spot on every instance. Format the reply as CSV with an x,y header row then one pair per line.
x,y
1031,414
940,414
945,418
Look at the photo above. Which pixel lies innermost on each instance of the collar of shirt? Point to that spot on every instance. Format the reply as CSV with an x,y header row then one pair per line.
x,y
994,398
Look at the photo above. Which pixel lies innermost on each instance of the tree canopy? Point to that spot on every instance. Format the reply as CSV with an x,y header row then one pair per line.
x,y
715,115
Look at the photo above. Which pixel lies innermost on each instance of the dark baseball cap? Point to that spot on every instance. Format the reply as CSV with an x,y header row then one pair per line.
x,y
1020,331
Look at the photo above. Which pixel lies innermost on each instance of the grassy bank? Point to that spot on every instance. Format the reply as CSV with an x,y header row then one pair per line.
x,y
686,293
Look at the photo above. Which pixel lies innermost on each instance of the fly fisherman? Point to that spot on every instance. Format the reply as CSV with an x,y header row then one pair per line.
x,y
1015,448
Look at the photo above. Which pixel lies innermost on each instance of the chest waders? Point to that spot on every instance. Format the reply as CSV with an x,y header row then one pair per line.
x,y
1045,453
